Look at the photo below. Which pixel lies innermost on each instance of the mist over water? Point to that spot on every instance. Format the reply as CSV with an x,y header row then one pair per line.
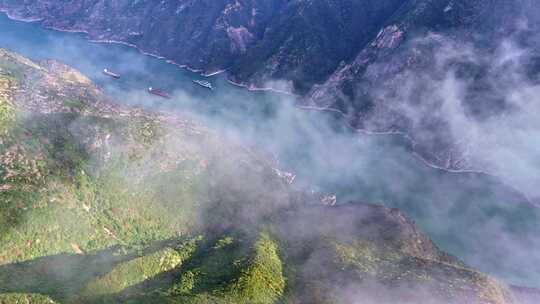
x,y
472,216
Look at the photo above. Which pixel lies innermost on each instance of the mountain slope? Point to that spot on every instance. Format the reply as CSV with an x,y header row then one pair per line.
x,y
257,41
106,204
381,63
399,82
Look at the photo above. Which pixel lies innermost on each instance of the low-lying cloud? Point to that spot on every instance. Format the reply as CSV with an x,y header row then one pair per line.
x,y
471,215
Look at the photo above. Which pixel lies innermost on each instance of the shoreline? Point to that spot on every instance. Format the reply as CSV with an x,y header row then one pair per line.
x,y
422,159
201,72
253,88
21,19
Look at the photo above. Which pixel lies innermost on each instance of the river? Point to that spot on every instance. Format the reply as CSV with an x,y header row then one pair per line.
x,y
472,216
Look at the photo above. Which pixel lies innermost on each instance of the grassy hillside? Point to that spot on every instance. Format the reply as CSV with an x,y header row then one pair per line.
x,y
104,204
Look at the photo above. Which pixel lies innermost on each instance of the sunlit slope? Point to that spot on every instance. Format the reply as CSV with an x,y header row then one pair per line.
x,y
103,204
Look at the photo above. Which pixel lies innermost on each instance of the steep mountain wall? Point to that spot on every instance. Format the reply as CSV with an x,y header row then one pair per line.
x,y
257,41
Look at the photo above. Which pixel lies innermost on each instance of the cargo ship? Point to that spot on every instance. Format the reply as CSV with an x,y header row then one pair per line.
x,y
110,73
158,92
204,84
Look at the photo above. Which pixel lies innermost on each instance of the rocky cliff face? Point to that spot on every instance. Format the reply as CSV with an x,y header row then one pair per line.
x,y
430,58
206,35
103,204
257,41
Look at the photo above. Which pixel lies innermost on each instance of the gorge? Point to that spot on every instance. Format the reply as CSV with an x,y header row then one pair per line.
x,y
466,214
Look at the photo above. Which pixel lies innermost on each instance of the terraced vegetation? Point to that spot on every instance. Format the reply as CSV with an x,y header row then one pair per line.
x,y
103,204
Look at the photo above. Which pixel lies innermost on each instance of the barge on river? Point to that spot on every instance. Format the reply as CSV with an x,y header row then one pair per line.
x,y
204,84
111,73
158,92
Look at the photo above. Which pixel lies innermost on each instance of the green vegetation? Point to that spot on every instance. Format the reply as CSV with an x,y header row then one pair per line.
x,y
77,186
97,207
76,104
212,269
25,298
71,204
6,108
262,281
136,271
363,256
229,271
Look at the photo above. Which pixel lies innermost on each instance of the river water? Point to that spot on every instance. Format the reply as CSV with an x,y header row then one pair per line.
x,y
472,216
